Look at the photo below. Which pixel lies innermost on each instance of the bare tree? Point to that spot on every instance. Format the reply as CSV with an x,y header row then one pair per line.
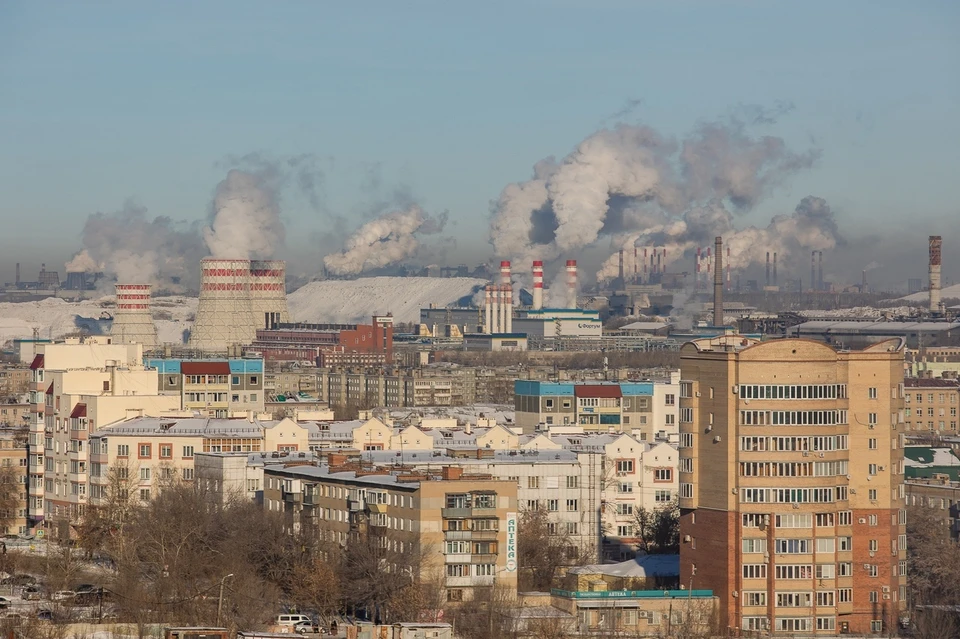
x,y
933,574
316,585
543,548
659,530
11,495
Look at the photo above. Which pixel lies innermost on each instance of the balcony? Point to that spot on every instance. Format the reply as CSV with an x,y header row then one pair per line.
x,y
457,559
456,513
293,498
484,512
310,498
457,535
377,508
354,505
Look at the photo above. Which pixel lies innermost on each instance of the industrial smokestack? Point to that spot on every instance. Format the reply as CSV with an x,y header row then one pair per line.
x,y
768,268
571,284
132,322
224,314
728,268
537,285
636,272
820,270
508,312
863,283
935,304
813,270
774,269
495,296
622,280
505,273
18,273
718,283
697,279
487,310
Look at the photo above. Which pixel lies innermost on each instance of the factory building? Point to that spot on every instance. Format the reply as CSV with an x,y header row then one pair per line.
x,y
547,324
327,345
648,409
791,484
213,388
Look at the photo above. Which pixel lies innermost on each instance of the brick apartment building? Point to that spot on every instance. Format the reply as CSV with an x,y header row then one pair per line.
x,y
931,404
328,344
792,531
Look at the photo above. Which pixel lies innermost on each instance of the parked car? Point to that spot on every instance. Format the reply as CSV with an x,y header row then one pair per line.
x,y
31,593
63,595
307,627
44,615
292,619
5,602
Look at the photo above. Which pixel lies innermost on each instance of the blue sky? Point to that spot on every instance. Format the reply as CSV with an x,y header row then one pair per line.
x,y
101,101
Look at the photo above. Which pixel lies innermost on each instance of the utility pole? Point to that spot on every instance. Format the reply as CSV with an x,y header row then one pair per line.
x,y
220,598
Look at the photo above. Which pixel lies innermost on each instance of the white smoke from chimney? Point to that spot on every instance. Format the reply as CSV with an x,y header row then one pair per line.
x,y
82,262
389,239
246,219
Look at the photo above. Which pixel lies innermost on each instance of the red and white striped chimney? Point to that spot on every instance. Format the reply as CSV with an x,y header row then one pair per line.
x,y
537,284
571,284
697,279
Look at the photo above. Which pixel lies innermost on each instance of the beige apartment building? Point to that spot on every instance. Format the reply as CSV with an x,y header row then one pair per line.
x,y
791,484
78,388
931,404
13,455
464,525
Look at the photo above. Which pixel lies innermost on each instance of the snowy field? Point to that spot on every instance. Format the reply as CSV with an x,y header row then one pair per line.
x,y
924,296
351,301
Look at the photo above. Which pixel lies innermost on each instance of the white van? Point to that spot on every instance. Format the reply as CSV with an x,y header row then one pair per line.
x,y
292,620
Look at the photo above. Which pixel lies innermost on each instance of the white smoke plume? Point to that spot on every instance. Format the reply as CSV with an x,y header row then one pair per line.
x,y
631,184
246,218
130,247
388,239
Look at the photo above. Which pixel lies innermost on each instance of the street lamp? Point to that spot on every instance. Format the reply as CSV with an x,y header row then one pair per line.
x,y
220,599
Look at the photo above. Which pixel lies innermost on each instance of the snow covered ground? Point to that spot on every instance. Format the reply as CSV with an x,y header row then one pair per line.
x,y
357,300
924,296
55,317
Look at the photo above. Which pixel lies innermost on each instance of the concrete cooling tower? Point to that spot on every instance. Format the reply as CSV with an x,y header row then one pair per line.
x,y
238,297
132,322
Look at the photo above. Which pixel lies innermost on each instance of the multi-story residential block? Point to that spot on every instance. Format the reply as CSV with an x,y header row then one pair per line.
x,y
214,388
80,387
16,412
13,470
941,495
931,404
464,526
648,409
794,532
14,380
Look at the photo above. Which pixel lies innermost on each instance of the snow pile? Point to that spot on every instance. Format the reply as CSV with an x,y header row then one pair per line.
x,y
924,296
54,317
347,301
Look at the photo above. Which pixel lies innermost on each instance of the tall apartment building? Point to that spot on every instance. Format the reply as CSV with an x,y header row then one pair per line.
x,y
793,531
79,387
214,388
465,526
931,404
13,462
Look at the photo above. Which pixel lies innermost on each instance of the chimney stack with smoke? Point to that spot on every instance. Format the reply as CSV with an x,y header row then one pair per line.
x,y
768,268
697,278
819,270
813,271
487,310
774,269
863,283
935,304
636,271
537,285
728,267
571,284
718,283
622,280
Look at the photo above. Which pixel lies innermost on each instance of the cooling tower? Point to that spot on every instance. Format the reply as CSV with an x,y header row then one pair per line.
x,y
268,295
224,315
132,322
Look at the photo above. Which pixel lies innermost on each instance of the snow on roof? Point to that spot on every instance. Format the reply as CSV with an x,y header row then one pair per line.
x,y
644,326
640,566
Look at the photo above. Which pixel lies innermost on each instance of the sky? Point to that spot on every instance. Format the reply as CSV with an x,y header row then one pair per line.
x,y
445,103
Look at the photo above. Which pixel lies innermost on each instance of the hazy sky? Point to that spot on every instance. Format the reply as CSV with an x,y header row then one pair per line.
x,y
450,101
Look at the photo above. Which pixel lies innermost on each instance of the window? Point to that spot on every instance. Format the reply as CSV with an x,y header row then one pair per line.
x,y
845,544
871,393
624,530
872,419
553,505
844,595
826,544
145,474
669,400
624,487
754,598
825,571
145,494
754,571
661,496
873,545
624,465
662,474
458,570
873,596
187,474
871,469
754,545
624,508
188,451
872,494
166,451
144,451
573,481
123,450
572,505
876,625
533,482
826,623
872,444
845,569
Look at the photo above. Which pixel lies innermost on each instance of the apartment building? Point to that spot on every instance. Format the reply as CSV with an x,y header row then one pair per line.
x,y
648,409
930,404
213,388
15,412
14,380
78,388
13,470
793,532
464,525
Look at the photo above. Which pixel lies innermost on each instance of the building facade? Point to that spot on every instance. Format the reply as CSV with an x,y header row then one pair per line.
x,y
13,472
214,388
793,531
465,526
931,404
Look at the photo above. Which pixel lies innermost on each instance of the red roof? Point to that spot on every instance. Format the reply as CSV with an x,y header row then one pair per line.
x,y
205,368
80,410
50,389
37,363
597,390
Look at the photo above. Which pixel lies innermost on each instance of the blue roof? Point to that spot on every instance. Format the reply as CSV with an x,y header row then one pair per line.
x,y
168,366
528,387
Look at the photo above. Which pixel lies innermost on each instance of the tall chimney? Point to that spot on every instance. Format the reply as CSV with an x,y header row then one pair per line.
x,y
768,268
620,255
508,310
697,279
863,283
495,295
813,270
820,270
487,310
718,283
728,268
571,284
505,273
652,271
774,269
537,284
636,272
18,272
935,243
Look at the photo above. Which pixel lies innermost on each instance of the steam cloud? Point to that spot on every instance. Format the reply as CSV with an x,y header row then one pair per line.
x,y
246,218
638,188
386,240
